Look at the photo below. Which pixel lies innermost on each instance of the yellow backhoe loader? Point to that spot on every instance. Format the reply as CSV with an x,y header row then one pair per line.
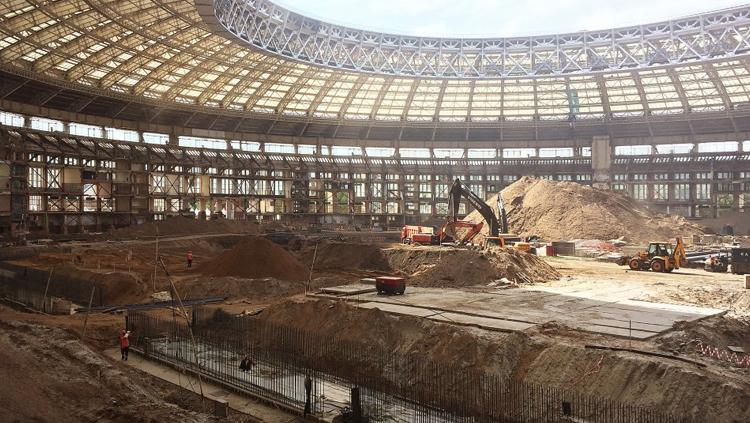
x,y
660,257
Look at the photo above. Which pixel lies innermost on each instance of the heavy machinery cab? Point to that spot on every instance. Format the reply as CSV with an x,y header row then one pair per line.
x,y
660,249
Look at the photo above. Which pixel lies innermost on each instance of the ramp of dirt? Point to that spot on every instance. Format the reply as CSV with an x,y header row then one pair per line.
x,y
256,257
557,210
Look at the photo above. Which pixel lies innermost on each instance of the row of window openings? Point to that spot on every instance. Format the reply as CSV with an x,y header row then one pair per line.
x,y
11,119
660,192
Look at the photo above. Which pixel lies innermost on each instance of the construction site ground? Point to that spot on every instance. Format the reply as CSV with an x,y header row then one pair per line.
x,y
541,332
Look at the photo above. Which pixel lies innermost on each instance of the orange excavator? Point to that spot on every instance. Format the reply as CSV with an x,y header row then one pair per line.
x,y
457,191
422,235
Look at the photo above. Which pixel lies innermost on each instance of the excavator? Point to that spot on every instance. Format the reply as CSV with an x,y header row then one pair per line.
x,y
496,227
421,235
660,257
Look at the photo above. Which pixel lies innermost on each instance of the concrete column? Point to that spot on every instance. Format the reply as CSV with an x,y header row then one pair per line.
x,y
601,161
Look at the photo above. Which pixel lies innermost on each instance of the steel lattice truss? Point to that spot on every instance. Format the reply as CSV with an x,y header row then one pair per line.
x,y
277,30
163,51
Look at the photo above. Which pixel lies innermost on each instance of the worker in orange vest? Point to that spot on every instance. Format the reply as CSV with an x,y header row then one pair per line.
x,y
124,343
189,259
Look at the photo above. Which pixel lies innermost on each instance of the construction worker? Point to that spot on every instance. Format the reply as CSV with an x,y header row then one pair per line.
x,y
189,259
308,392
124,343
247,363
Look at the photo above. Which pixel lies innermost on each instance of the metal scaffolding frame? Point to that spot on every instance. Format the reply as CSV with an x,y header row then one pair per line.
x,y
113,57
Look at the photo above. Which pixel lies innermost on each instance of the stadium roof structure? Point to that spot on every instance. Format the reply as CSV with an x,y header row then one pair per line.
x,y
253,67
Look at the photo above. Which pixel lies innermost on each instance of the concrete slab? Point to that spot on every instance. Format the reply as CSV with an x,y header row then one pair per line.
x,y
353,289
611,312
482,322
608,330
400,309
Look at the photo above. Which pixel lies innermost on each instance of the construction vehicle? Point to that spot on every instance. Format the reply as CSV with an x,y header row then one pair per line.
x,y
426,235
660,257
419,235
457,191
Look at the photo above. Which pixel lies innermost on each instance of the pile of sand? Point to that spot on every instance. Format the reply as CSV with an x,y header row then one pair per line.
x,y
334,255
567,210
256,257
449,267
178,226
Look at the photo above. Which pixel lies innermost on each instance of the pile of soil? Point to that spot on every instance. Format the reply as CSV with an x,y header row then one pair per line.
x,y
179,226
256,257
557,210
449,267
334,255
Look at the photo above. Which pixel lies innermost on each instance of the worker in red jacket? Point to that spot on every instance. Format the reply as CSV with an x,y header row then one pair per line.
x,y
189,259
124,343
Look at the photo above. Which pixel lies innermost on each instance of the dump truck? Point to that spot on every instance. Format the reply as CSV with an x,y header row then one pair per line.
x,y
659,257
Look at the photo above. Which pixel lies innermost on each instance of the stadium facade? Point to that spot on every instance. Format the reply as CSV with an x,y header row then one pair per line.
x,y
122,111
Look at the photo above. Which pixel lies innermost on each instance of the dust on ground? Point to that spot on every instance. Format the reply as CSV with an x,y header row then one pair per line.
x,y
556,210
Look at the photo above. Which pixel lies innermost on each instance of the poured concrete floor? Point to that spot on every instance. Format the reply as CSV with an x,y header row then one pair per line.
x,y
590,303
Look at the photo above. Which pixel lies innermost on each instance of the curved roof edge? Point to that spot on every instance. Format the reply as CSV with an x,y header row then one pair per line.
x,y
282,32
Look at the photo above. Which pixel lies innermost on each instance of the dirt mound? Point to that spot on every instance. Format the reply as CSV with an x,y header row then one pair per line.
x,y
333,255
178,226
567,210
447,267
256,257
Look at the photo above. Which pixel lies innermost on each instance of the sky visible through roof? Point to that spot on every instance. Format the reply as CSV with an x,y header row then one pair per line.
x,y
506,18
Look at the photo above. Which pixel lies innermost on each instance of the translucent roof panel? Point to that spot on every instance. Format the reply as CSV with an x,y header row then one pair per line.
x,y
164,52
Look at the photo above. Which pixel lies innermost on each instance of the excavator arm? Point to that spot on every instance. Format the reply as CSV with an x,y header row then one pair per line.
x,y
679,253
458,190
